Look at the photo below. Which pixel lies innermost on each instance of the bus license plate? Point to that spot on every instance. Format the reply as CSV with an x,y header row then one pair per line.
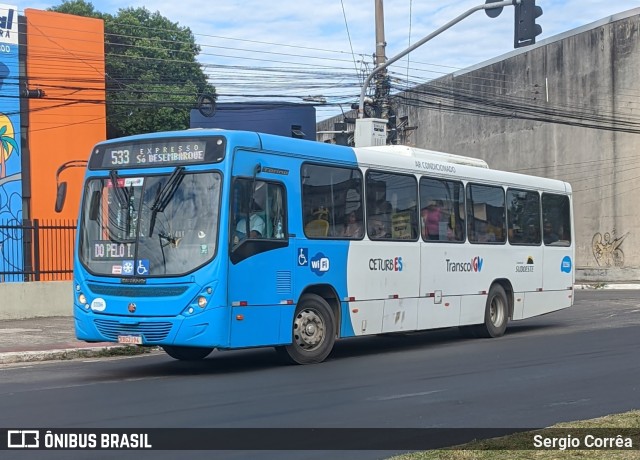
x,y
131,339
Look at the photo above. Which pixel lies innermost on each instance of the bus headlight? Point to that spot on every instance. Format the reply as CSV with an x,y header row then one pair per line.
x,y
82,299
202,301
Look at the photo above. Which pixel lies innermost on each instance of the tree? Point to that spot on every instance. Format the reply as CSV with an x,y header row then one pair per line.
x,y
152,77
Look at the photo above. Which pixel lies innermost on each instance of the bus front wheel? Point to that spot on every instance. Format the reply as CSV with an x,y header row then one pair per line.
x,y
187,353
313,330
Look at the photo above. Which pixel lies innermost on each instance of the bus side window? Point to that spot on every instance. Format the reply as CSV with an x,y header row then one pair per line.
x,y
329,195
277,208
486,213
257,216
442,214
556,216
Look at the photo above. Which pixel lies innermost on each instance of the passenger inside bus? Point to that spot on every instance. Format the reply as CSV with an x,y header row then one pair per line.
x,y
353,226
378,228
431,216
549,235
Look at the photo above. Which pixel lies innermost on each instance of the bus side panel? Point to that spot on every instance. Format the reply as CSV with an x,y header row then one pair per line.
x,y
209,329
558,268
400,315
472,309
259,325
433,315
366,317
442,281
518,306
322,262
384,273
539,303
557,292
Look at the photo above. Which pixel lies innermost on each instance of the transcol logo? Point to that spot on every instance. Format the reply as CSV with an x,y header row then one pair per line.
x,y
475,265
319,264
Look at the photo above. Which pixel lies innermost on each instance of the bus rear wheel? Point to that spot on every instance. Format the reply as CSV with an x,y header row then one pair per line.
x,y
496,314
313,330
187,353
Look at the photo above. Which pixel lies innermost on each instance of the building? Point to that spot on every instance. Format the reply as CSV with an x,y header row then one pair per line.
x,y
280,118
52,110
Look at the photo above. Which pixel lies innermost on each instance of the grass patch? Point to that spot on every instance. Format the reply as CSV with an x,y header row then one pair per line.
x,y
519,446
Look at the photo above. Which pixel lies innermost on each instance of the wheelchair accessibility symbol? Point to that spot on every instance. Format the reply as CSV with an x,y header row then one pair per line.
x,y
143,267
303,257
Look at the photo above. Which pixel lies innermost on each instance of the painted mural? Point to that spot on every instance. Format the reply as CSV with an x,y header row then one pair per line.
x,y
10,163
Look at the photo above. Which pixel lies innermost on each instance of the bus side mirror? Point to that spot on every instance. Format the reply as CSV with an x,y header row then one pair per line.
x,y
61,195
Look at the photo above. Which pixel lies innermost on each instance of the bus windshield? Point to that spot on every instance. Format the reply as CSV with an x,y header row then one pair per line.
x,y
155,225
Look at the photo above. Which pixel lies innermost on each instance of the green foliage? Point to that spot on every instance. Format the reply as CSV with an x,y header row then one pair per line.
x,y
152,76
77,7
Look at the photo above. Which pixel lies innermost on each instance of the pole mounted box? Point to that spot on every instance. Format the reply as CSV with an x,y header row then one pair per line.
x,y
370,132
525,28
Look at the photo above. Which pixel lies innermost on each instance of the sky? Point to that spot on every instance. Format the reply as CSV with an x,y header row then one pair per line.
x,y
292,50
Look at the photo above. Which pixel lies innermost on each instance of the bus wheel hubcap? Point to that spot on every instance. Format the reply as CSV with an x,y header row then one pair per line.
x,y
308,329
497,312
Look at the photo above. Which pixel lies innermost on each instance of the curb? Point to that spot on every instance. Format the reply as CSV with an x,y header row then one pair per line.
x,y
14,357
603,286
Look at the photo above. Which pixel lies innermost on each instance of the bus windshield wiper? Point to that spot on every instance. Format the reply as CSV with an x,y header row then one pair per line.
x,y
120,193
165,194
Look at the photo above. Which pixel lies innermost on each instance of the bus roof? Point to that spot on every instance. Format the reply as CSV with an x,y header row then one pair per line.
x,y
396,157
429,155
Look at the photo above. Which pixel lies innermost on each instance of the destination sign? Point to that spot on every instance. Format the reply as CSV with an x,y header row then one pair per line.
x,y
108,250
158,152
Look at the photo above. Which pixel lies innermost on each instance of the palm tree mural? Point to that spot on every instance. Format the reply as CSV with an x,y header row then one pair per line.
x,y
6,143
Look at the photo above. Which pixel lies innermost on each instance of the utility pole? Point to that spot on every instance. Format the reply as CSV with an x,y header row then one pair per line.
x,y
369,133
383,88
382,67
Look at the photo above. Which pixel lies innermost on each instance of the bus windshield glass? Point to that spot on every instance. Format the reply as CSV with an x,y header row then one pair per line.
x,y
150,225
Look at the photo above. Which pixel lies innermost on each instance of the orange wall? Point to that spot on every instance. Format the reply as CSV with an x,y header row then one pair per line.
x,y
65,58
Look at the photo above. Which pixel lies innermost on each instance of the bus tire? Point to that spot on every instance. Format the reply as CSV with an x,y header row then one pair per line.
x,y
187,353
313,331
496,314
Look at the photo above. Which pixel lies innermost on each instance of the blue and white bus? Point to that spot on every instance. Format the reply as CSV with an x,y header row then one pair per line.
x,y
208,239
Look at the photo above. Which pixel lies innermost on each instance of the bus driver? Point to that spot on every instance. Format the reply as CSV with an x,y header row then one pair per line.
x,y
256,227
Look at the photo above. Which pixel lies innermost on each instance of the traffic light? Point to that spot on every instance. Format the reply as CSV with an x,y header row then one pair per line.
x,y
526,29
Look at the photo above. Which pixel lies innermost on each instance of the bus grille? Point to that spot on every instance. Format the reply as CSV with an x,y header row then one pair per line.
x,y
151,331
137,291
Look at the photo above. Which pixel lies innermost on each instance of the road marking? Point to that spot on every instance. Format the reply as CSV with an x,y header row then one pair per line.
x,y
569,403
407,395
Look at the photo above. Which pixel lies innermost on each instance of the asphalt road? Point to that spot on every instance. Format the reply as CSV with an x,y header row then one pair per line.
x,y
574,364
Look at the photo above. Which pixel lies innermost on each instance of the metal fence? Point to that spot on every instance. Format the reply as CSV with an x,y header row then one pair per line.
x,y
36,250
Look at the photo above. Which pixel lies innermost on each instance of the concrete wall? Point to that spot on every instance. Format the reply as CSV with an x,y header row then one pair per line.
x,y
34,299
565,108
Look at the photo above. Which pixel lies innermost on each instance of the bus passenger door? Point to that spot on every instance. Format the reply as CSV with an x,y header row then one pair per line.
x,y
261,259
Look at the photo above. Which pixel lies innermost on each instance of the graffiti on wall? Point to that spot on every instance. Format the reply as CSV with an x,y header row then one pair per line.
x,y
606,249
